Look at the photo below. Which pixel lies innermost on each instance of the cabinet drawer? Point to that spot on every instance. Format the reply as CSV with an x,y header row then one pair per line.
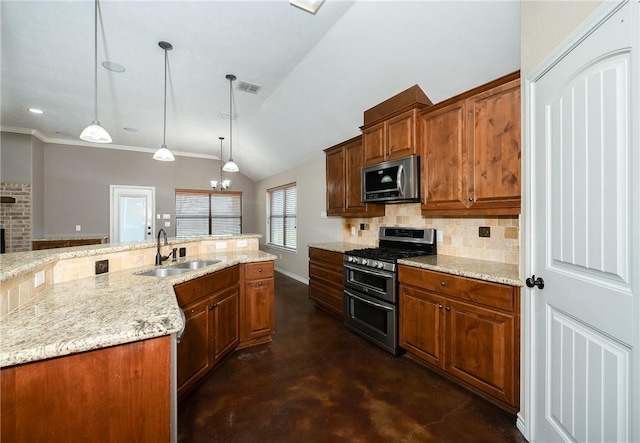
x,y
322,255
253,271
485,293
329,296
192,290
331,275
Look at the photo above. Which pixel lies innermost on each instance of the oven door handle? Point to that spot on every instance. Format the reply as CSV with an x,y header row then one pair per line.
x,y
369,271
377,305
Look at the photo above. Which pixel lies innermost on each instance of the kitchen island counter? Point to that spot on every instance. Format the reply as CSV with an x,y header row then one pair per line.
x,y
99,311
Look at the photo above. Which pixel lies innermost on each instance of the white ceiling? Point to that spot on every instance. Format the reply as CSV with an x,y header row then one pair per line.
x,y
319,73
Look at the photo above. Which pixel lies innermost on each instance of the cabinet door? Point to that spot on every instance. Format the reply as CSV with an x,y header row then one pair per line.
x,y
401,135
335,181
374,142
422,324
193,349
354,157
494,147
225,322
443,158
481,349
259,308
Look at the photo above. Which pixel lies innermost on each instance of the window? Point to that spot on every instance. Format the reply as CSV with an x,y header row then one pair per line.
x,y
281,219
208,212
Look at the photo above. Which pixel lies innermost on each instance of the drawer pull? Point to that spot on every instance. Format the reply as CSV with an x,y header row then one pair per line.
x,y
440,306
259,269
442,283
448,308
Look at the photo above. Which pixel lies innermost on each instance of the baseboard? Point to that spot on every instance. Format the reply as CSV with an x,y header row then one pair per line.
x,y
293,276
521,425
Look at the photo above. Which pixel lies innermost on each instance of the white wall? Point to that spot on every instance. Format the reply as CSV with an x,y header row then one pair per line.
x,y
312,228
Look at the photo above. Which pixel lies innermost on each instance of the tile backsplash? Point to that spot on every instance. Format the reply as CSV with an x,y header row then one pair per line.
x,y
460,235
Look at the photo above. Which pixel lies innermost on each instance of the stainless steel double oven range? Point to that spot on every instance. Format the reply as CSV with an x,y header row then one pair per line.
x,y
371,283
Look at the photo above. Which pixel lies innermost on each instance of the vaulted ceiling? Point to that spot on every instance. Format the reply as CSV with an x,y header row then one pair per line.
x,y
318,73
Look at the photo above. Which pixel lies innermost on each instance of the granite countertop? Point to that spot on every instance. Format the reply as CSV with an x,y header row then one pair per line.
x,y
496,272
101,311
341,247
16,263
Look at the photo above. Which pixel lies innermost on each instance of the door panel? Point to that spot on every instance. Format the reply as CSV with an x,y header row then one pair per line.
x,y
132,209
582,188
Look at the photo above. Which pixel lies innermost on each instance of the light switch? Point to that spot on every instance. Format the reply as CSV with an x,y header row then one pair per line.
x,y
78,228
167,224
166,216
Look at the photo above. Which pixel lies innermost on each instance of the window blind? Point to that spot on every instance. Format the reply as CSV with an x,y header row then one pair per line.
x,y
208,212
283,216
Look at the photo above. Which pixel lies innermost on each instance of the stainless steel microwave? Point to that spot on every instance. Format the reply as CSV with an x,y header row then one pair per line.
x,y
392,181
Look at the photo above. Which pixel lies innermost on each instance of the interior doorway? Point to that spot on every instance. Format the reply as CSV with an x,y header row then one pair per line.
x,y
131,213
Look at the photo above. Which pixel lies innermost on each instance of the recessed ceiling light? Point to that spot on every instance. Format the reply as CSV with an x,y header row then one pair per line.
x,y
130,129
36,111
113,67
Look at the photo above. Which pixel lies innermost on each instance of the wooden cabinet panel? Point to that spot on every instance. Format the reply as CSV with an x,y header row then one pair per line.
x,y
193,290
401,135
254,271
443,159
225,314
481,349
38,245
194,358
422,324
494,147
392,138
117,394
343,176
259,317
325,280
374,141
464,327
336,182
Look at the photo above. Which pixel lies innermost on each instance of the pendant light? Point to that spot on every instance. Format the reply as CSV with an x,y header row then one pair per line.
x,y
221,185
230,166
163,154
94,132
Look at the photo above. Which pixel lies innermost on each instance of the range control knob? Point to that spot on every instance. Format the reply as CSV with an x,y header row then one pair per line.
x,y
365,262
351,259
380,265
374,264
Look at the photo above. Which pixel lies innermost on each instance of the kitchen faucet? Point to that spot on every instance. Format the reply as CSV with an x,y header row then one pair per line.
x,y
159,257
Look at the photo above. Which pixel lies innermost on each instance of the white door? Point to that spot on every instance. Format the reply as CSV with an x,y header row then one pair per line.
x,y
583,220
132,209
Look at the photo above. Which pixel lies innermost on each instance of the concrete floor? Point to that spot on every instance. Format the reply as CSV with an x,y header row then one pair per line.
x,y
318,382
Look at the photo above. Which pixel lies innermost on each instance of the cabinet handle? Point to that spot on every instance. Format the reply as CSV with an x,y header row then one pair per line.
x,y
443,283
470,199
440,306
213,306
448,308
259,269
259,283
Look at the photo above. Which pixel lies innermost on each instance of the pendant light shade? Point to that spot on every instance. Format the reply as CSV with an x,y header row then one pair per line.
x,y
163,154
94,132
231,166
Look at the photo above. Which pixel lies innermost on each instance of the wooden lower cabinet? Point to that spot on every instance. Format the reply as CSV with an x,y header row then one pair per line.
x,y
116,394
38,245
325,280
465,328
257,305
211,328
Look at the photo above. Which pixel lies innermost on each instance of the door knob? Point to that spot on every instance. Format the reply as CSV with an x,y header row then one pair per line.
x,y
533,281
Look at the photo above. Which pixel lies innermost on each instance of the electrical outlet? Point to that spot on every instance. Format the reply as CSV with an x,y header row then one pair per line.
x,y
242,243
221,245
78,228
182,252
38,279
362,226
102,267
484,231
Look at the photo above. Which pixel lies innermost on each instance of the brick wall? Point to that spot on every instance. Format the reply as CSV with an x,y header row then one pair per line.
x,y
15,218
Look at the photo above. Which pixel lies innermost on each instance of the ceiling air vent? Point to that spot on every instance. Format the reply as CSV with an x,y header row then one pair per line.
x,y
249,87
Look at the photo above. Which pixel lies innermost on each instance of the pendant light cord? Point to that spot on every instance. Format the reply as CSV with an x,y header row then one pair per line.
x,y
231,118
164,130
95,61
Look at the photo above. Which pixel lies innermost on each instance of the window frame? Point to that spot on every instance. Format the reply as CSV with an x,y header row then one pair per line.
x,y
270,192
211,217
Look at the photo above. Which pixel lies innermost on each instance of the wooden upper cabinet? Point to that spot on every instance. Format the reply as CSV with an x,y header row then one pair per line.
x,y
494,147
392,138
470,152
335,163
443,160
344,192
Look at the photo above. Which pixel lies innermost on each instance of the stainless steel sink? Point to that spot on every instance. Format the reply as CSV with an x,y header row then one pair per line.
x,y
195,264
163,272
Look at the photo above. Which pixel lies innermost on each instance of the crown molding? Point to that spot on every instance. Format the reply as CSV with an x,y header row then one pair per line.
x,y
61,141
